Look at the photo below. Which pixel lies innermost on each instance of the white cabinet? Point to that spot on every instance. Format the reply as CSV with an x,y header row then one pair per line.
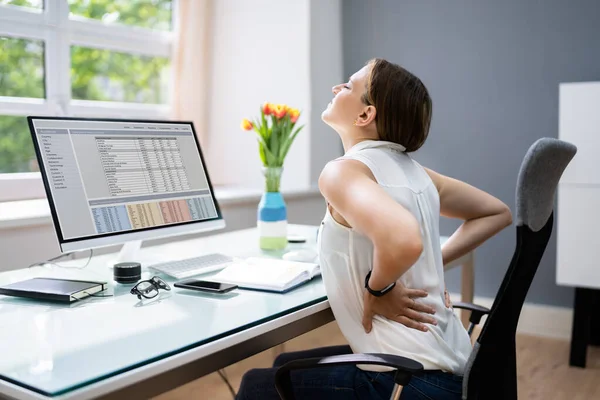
x,y
578,213
578,238
578,204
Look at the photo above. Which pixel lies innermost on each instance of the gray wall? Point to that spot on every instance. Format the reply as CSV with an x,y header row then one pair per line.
x,y
493,69
326,70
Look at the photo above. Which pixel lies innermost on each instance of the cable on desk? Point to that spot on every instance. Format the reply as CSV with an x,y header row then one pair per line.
x,y
224,377
37,264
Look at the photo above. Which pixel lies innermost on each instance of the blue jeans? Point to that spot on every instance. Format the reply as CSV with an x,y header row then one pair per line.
x,y
346,382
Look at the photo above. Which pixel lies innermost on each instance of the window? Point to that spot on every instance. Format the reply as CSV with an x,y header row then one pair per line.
x,y
87,58
36,4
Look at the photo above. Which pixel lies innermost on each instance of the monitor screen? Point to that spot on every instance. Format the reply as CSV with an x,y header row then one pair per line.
x,y
109,178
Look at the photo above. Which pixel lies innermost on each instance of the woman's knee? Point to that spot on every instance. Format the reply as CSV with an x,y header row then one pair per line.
x,y
283,358
256,383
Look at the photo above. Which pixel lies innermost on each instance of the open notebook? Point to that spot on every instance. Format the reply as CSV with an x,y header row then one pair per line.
x,y
267,274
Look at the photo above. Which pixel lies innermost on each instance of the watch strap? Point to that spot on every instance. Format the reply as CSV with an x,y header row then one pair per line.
x,y
378,293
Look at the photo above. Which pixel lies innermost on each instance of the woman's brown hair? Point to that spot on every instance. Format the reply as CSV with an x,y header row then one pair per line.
x,y
402,102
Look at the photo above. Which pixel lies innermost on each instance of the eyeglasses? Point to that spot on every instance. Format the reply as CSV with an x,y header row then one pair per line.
x,y
149,288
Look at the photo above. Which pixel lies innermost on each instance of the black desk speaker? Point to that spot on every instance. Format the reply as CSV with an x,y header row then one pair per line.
x,y
127,272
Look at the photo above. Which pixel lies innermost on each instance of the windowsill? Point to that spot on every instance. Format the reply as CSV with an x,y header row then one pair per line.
x,y
24,213
232,195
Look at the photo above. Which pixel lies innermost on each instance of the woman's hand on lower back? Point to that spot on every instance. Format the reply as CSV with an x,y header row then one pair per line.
x,y
398,305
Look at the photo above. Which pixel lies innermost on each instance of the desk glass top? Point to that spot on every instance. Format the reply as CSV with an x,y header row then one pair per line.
x,y
54,348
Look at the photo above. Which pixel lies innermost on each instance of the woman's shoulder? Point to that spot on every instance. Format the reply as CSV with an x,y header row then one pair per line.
x,y
341,170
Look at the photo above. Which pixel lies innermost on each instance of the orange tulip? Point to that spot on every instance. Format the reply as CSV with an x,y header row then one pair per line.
x,y
267,108
279,111
246,125
294,113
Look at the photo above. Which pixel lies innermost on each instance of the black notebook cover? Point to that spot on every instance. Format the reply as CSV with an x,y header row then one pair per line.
x,y
63,290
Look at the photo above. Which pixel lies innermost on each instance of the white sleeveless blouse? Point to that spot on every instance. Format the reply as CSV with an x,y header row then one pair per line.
x,y
346,257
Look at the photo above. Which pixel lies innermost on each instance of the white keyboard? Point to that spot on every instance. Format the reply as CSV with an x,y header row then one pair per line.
x,y
193,266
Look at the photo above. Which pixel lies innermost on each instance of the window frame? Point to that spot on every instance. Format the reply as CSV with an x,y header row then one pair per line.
x,y
59,31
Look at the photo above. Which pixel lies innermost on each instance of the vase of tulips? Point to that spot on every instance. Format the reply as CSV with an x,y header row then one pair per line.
x,y
275,130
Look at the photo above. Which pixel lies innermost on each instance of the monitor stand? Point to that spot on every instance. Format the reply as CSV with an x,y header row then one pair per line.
x,y
129,252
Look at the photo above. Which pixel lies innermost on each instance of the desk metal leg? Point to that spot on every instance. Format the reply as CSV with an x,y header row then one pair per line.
x,y
467,287
277,350
580,334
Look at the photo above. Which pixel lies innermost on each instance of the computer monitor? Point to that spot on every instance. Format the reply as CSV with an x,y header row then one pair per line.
x,y
111,181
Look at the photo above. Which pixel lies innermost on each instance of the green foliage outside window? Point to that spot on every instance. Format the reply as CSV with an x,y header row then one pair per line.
x,y
96,74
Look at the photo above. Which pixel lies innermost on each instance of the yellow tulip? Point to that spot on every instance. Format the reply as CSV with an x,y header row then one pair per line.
x,y
246,125
279,111
294,113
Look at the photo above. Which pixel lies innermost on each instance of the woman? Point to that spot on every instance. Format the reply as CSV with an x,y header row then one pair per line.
x,y
381,229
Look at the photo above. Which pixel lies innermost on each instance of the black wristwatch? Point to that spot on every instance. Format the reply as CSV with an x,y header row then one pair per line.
x,y
378,293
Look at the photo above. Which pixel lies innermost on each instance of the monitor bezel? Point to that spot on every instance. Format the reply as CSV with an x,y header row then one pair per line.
x,y
115,238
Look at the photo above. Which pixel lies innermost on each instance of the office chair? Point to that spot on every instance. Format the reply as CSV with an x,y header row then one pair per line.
x,y
495,349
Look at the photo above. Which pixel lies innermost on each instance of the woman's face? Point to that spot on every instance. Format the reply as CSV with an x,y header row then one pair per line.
x,y
347,105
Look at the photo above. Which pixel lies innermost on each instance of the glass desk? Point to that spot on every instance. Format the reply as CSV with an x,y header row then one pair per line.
x,y
122,347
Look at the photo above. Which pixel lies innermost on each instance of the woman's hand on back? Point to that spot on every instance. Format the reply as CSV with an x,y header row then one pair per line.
x,y
398,305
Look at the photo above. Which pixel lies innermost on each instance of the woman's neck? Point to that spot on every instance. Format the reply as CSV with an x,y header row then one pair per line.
x,y
355,135
350,142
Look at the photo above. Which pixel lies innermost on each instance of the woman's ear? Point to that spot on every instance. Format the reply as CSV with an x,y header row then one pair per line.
x,y
366,116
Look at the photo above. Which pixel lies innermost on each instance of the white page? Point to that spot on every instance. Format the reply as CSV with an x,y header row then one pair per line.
x,y
266,273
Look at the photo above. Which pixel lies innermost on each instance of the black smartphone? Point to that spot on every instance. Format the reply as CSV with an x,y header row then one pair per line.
x,y
205,286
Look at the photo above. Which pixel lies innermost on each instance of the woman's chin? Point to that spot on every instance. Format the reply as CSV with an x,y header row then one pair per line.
x,y
325,115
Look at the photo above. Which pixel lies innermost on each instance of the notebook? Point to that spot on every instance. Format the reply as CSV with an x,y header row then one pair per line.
x,y
62,290
267,274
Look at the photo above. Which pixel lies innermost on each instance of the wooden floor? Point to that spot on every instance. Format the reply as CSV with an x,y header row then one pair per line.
x,y
543,369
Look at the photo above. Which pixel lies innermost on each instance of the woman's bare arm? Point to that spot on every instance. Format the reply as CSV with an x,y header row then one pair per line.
x,y
484,215
351,189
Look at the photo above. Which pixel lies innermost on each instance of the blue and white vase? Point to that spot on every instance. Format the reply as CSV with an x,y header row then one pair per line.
x,y
272,212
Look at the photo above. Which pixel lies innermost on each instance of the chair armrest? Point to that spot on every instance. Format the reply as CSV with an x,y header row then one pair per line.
x,y
405,368
477,311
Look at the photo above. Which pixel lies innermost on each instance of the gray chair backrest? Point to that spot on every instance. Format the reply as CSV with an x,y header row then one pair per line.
x,y
542,167
540,172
